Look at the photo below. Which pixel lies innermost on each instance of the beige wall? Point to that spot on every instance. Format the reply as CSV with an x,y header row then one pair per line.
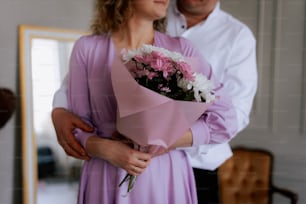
x,y
278,118
71,14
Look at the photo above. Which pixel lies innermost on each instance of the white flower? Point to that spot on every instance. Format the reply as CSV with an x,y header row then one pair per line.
x,y
184,84
202,83
128,55
147,49
201,87
208,97
175,56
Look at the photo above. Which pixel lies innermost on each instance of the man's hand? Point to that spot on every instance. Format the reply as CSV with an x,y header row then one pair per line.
x,y
64,123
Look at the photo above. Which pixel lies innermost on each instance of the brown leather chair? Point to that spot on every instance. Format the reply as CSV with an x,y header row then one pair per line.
x,y
246,178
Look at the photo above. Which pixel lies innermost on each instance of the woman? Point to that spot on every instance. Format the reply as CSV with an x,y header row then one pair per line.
x,y
163,179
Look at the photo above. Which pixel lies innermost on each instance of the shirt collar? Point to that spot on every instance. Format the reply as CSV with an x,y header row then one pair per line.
x,y
174,7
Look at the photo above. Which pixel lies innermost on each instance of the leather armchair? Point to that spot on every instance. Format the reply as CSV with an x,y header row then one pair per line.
x,y
246,178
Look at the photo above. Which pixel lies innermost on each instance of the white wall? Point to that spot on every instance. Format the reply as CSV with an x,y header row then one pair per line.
x,y
70,14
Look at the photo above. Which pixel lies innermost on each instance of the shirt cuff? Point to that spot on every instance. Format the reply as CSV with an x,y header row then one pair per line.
x,y
200,133
60,99
60,96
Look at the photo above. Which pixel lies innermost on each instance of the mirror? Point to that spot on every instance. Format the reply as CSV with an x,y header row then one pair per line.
x,y
44,57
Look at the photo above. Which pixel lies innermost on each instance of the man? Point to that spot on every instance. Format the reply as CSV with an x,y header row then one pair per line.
x,y
229,46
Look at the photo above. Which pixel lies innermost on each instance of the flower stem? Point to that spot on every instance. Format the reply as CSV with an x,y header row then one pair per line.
x,y
131,179
124,180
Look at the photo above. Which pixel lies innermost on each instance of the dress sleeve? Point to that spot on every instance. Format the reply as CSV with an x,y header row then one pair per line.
x,y
78,91
218,124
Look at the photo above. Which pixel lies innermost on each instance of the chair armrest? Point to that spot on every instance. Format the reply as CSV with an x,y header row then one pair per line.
x,y
285,192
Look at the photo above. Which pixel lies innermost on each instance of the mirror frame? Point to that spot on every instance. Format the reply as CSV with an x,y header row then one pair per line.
x,y
29,153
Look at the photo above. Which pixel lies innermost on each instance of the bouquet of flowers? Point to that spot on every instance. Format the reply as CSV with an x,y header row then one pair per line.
x,y
154,83
168,74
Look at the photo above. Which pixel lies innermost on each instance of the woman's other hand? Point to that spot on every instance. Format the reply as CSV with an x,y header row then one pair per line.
x,y
119,154
184,141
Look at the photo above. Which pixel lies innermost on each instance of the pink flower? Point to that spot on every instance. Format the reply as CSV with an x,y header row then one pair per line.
x,y
186,70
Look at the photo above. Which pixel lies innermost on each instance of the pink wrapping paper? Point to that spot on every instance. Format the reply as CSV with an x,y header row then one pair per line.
x,y
145,116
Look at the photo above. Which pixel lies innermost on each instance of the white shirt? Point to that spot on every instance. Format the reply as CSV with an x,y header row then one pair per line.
x,y
230,48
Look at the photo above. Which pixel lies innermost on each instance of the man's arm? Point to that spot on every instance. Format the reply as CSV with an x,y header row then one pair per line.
x,y
240,82
240,79
65,122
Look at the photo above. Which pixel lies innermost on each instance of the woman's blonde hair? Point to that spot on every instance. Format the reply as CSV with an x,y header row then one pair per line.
x,y
110,15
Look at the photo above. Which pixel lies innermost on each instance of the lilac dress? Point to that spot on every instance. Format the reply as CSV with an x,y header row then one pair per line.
x,y
169,178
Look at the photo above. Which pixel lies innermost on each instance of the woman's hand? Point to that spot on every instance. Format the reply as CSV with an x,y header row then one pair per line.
x,y
184,141
119,154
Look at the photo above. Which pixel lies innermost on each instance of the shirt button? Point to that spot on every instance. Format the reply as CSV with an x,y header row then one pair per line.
x,y
183,27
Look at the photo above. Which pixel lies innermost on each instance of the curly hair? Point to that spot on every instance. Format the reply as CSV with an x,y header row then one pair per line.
x,y
110,15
